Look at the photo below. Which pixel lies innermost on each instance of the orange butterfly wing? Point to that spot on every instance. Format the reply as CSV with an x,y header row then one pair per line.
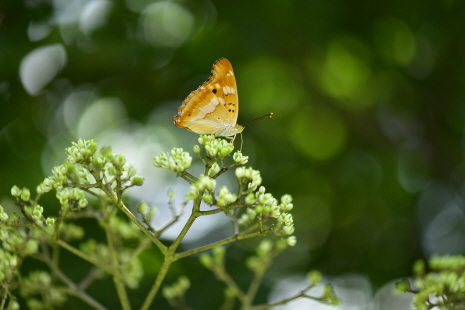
x,y
212,108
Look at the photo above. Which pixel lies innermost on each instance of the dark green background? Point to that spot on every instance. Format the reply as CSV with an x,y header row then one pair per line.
x,y
367,134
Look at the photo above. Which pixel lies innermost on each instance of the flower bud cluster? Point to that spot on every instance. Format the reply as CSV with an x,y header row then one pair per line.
x,y
240,159
37,281
115,165
178,161
54,182
215,148
286,203
286,224
314,277
147,212
8,262
71,231
22,194
264,248
178,289
197,189
60,177
18,244
249,177
225,197
84,153
81,152
217,259
37,212
72,198
260,202
96,250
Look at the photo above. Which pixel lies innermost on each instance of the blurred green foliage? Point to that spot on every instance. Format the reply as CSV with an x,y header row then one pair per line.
x,y
368,101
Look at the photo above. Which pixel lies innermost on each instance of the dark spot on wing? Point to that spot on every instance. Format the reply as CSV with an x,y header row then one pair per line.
x,y
214,90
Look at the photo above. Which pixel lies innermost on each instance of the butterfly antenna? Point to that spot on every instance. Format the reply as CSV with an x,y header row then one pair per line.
x,y
242,140
269,115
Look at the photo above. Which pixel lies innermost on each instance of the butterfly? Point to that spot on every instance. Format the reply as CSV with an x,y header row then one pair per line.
x,y
212,108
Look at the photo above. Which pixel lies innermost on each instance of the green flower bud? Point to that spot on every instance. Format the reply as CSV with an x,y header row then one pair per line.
x,y
3,216
111,170
4,235
48,184
150,214
266,209
142,208
329,296
203,139
419,268
36,214
211,151
275,212
244,219
287,230
169,292
171,194
240,173
207,198
131,171
138,181
40,189
83,203
15,191
229,293
314,277
215,168
250,199
50,221
252,262
280,245
226,151
192,194
251,213
31,247
13,261
218,255
183,283
119,160
403,286
285,199
206,260
239,159
13,305
291,241
264,248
